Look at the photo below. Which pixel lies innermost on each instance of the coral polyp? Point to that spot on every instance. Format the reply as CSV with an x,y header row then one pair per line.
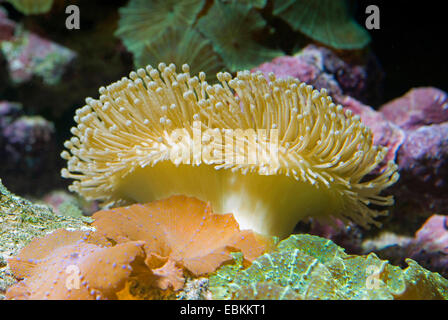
x,y
129,147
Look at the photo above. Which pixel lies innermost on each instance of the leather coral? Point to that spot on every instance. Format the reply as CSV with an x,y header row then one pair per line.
x,y
320,163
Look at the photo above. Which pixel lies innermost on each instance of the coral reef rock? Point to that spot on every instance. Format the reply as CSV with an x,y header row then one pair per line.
x,y
419,107
429,245
322,68
28,55
27,149
423,116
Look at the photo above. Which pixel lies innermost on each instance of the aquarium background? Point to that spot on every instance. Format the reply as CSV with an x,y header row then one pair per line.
x,y
394,78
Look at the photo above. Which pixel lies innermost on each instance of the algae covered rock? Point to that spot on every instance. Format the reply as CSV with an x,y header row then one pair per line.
x,y
310,267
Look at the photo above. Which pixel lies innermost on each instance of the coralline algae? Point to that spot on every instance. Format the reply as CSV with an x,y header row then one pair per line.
x,y
28,55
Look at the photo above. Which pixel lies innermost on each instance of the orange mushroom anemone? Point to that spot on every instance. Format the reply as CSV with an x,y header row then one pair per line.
x,y
152,247
270,152
72,265
181,232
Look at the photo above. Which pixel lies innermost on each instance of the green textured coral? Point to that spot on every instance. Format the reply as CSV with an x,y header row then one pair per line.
x,y
310,267
179,45
32,6
327,21
142,21
235,34
232,27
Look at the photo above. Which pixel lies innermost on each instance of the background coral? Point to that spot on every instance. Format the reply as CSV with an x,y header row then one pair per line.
x,y
180,45
32,6
243,33
27,150
327,21
232,28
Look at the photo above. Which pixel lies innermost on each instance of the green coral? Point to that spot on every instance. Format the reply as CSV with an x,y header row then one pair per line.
x,y
241,33
232,27
179,46
142,21
32,6
327,21
310,267
259,4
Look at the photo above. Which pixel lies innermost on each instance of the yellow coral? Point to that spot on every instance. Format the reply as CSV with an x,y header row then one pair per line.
x,y
128,147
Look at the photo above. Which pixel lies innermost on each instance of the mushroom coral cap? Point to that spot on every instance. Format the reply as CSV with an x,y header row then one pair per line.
x,y
72,265
183,230
124,148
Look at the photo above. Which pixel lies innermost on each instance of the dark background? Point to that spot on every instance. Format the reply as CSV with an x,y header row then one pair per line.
x,y
411,43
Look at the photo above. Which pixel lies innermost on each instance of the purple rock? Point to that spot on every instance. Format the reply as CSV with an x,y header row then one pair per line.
x,y
419,107
322,68
287,66
423,163
349,237
9,111
385,133
30,55
430,245
433,235
27,149
27,137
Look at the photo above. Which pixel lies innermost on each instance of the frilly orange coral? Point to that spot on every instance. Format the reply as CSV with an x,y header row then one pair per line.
x,y
180,229
151,245
72,265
